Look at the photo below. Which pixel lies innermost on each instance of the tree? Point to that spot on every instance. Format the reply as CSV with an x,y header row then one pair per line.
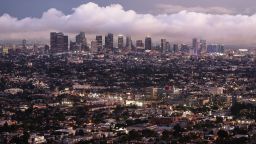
x,y
134,135
149,133
166,135
177,129
80,133
219,120
222,134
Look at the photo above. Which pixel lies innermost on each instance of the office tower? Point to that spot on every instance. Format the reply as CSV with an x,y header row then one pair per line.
x,y
139,44
148,43
215,48
163,45
128,44
109,42
184,48
203,46
24,44
46,49
221,49
5,50
168,47
175,48
1,49
81,41
58,42
73,46
120,42
211,48
99,43
195,46
152,92
94,46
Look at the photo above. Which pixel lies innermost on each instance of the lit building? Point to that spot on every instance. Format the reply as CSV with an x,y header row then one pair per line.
x,y
58,42
153,92
216,90
5,50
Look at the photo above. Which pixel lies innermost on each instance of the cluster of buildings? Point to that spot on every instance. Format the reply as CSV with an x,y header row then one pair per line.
x,y
59,43
74,92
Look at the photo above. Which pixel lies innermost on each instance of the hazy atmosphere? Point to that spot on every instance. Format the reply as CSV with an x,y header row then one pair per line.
x,y
178,20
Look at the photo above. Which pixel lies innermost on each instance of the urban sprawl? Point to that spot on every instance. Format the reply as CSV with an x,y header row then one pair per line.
x,y
73,92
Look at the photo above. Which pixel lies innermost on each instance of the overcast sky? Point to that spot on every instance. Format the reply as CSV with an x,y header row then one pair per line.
x,y
226,21
25,8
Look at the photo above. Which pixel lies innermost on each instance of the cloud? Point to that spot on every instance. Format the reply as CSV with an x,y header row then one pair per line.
x,y
93,19
168,8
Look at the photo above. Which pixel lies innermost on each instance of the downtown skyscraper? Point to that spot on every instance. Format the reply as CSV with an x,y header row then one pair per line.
x,y
81,41
195,46
109,42
99,43
163,45
58,42
120,42
148,43
128,44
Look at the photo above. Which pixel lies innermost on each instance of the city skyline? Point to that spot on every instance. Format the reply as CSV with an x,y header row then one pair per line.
x,y
188,22
127,72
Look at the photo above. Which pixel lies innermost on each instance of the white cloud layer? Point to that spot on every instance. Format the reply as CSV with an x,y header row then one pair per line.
x,y
168,8
93,19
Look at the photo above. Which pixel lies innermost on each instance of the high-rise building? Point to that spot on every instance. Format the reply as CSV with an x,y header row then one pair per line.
x,y
120,42
73,46
215,48
1,49
46,49
168,47
109,42
139,44
81,41
153,92
203,46
24,44
195,46
94,46
128,44
148,43
175,48
163,45
80,38
58,42
99,43
184,48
